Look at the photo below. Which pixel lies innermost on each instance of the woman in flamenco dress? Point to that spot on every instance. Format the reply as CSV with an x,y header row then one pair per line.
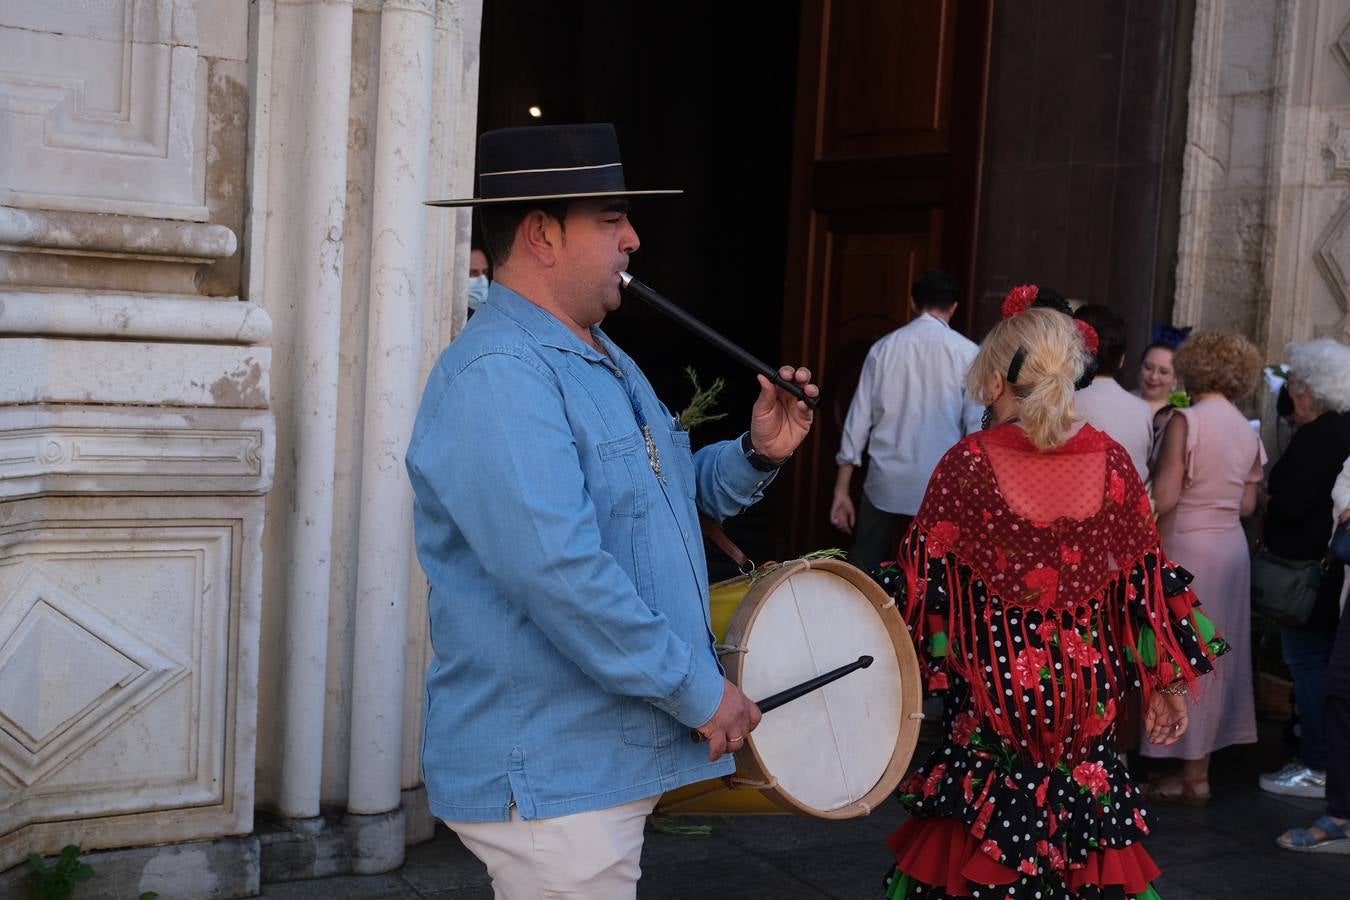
x,y
1035,588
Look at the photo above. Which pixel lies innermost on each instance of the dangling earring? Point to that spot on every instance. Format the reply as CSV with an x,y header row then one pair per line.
x,y
987,420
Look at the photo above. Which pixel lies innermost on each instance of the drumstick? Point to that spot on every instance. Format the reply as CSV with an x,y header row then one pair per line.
x,y
772,702
652,298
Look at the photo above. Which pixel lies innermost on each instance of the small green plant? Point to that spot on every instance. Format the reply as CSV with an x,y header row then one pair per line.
x,y
57,881
701,404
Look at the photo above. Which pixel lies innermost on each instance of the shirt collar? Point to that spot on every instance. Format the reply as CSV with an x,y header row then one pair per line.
x,y
542,325
927,315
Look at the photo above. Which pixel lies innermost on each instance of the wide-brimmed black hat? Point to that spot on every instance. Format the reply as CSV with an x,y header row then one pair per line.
x,y
548,162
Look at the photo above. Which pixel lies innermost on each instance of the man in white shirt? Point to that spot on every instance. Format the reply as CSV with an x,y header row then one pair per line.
x,y
1104,404
911,405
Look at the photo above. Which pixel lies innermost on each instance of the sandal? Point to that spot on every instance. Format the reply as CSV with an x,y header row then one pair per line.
x,y
1176,789
1335,838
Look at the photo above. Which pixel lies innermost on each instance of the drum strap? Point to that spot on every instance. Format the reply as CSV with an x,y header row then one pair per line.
x,y
712,531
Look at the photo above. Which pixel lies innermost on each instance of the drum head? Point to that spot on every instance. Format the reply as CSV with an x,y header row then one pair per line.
x,y
839,751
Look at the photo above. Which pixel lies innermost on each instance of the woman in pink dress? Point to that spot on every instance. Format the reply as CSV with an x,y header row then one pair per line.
x,y
1207,477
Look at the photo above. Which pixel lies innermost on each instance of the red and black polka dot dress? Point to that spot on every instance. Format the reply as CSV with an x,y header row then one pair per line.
x,y
1034,626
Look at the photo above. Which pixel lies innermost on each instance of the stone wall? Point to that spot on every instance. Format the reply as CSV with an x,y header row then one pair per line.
x,y
135,422
1265,212
219,294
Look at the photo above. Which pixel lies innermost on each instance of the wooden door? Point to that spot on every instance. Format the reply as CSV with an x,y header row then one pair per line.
x,y
886,165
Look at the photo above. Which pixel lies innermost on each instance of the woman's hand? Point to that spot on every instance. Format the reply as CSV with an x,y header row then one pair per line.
x,y
1166,718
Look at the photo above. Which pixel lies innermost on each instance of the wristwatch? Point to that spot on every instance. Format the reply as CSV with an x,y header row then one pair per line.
x,y
759,460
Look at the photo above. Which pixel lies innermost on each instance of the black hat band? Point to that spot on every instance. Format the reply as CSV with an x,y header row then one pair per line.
x,y
606,178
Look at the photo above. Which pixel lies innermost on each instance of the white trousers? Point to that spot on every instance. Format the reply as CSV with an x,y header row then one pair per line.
x,y
594,855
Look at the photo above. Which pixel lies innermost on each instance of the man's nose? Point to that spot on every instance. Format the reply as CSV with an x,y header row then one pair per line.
x,y
628,241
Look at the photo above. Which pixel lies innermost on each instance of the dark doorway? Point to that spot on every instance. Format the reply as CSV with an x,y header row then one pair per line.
x,y
829,152
702,97
886,175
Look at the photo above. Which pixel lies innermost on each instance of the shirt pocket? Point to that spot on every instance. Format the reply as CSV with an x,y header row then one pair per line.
x,y
684,461
646,726
624,488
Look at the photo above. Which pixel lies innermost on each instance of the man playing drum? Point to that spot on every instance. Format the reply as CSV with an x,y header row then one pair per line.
x,y
557,521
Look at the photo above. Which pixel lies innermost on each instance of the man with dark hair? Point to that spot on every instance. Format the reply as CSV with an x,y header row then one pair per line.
x,y
557,518
1104,404
910,406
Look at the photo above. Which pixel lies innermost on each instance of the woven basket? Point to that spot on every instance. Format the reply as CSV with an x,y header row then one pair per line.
x,y
1274,697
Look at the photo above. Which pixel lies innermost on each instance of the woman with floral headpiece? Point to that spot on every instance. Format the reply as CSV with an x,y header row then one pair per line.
x,y
1033,582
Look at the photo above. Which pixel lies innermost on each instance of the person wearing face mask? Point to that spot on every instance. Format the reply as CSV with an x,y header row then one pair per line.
x,y
478,279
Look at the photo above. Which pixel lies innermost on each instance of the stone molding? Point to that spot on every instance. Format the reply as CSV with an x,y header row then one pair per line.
x,y
40,248
45,450
131,316
114,235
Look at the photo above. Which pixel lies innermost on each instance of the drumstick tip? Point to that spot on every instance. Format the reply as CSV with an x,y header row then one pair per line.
x,y
865,661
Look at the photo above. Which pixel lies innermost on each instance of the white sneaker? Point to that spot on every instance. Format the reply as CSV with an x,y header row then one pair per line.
x,y
1296,780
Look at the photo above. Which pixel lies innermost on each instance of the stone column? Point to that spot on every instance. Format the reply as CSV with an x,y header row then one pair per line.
x,y
310,71
402,145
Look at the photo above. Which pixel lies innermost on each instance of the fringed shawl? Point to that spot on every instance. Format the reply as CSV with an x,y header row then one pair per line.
x,y
1086,583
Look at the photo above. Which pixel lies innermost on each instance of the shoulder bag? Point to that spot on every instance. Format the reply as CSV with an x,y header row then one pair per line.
x,y
1285,589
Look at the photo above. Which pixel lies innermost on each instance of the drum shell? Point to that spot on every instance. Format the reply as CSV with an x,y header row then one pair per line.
x,y
734,608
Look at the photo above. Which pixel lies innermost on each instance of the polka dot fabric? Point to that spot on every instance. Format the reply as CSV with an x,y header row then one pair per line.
x,y
1027,798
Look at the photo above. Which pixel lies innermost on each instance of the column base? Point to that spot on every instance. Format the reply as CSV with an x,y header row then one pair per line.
x,y
330,844
421,824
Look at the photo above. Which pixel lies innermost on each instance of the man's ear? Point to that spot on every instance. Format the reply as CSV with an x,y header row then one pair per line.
x,y
539,233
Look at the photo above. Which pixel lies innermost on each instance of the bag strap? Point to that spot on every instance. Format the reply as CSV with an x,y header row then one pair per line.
x,y
712,530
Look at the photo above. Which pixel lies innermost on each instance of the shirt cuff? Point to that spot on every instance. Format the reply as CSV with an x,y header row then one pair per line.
x,y
696,699
737,473
843,459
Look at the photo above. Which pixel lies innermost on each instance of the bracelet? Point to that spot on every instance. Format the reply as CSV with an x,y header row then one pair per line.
x,y
1178,688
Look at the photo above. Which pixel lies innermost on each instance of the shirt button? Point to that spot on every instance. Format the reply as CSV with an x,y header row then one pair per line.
x,y
686,535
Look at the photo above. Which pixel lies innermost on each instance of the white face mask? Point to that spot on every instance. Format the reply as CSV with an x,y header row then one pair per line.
x,y
478,288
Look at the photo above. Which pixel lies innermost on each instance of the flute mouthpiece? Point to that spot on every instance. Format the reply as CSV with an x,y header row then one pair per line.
x,y
625,278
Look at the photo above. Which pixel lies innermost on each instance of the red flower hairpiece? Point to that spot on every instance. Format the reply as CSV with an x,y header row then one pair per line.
x,y
1018,299
1090,339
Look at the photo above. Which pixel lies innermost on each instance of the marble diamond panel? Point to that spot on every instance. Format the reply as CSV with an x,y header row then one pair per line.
x,y
66,672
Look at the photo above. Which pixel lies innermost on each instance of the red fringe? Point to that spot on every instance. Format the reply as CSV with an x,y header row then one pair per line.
x,y
989,693
942,852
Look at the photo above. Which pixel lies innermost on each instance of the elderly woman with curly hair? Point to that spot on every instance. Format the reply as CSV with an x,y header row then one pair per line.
x,y
1208,475
1298,527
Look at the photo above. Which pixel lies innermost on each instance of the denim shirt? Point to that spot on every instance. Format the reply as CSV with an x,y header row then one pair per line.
x,y
569,591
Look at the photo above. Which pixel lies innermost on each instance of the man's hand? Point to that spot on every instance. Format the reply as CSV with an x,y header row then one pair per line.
x,y
841,513
736,717
1166,718
779,421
